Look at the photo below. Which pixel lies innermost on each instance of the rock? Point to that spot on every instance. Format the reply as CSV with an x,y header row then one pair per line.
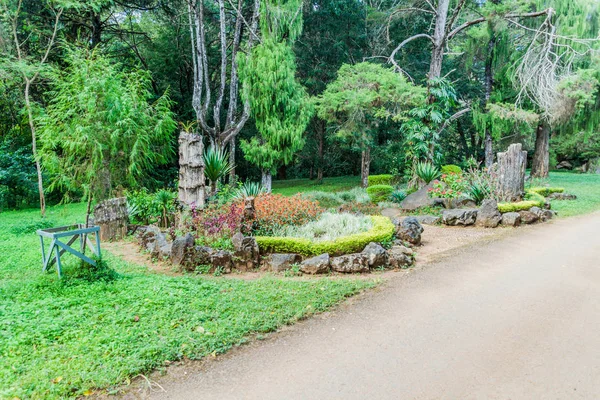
x,y
465,203
488,215
409,230
316,265
562,196
280,262
428,219
146,236
161,247
400,257
418,199
543,214
196,256
221,259
528,217
466,216
511,219
178,248
564,165
376,255
350,263
247,254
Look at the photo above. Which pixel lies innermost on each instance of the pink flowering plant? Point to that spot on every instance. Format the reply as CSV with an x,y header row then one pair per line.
x,y
450,186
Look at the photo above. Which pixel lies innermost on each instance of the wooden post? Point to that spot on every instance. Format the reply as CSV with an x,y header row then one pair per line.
x,y
191,170
511,172
112,217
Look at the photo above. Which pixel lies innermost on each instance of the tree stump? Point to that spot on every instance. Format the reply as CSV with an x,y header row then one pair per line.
x,y
112,217
511,172
191,170
248,217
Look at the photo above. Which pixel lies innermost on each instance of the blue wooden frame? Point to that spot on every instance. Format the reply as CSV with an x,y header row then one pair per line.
x,y
58,248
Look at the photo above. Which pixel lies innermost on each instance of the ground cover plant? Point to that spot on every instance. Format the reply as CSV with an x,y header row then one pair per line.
x,y
293,186
329,226
64,339
585,186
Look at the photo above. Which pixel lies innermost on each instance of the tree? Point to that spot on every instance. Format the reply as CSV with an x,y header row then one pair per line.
x,y
100,131
362,96
280,105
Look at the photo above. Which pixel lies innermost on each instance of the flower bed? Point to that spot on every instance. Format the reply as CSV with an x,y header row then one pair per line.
x,y
382,231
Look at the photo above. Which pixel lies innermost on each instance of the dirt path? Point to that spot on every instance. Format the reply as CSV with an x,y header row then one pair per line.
x,y
515,318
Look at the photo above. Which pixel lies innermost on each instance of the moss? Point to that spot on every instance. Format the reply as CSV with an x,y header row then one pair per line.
x,y
546,191
379,193
386,179
382,231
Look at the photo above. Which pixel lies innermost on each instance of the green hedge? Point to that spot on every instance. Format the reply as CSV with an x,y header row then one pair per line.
x,y
451,169
386,179
382,231
546,191
533,196
379,193
518,206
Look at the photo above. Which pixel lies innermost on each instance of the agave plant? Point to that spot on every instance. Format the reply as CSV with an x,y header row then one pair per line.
x,y
164,199
216,165
250,189
426,172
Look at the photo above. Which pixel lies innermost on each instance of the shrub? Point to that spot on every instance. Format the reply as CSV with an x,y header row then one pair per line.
x,y
451,186
217,222
451,169
398,196
359,208
358,195
249,189
329,226
386,179
325,199
538,198
275,210
477,191
518,206
546,191
382,231
426,172
379,193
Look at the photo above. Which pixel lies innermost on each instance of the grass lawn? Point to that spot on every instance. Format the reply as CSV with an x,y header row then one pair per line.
x,y
63,339
293,186
585,186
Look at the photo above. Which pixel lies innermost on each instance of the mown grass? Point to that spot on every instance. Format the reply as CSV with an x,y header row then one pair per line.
x,y
67,338
585,186
293,186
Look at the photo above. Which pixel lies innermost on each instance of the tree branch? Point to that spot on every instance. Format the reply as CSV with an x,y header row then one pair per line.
x,y
392,60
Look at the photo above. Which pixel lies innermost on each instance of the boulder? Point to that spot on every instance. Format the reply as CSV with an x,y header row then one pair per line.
x,y
146,237
178,248
528,217
247,254
350,263
161,248
564,165
543,214
400,257
428,219
316,265
376,255
488,215
562,196
280,262
455,217
511,219
458,203
409,230
418,199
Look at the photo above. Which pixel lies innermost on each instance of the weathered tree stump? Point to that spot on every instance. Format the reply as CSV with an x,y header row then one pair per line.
x,y
511,172
112,217
248,217
191,170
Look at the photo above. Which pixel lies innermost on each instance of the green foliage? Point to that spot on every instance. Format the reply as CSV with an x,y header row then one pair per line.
x,y
546,191
100,130
336,184
477,191
17,176
249,189
426,171
398,196
64,339
379,193
517,206
216,164
386,179
146,208
382,231
328,227
451,169
533,196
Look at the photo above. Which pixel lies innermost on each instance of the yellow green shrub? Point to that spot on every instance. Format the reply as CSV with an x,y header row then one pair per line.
x,y
518,206
546,191
385,179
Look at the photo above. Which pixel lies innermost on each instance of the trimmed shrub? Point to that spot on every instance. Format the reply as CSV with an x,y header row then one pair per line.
x,y
546,191
379,193
451,169
518,206
276,210
386,179
538,198
382,231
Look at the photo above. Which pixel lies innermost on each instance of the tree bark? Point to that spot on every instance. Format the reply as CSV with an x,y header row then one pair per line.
x,y
511,171
38,167
112,218
321,159
489,83
191,170
266,180
541,157
232,177
439,39
365,164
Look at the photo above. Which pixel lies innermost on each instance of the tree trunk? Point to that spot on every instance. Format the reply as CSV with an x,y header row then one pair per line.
x,y
365,163
489,83
489,149
439,40
191,170
321,159
38,167
511,171
541,156
266,180
232,177
112,218
282,172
